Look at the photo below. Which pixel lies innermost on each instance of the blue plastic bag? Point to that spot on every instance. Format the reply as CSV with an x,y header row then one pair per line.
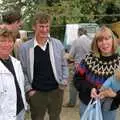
x,y
93,111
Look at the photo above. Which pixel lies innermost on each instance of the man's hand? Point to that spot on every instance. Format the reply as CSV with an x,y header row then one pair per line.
x,y
31,93
63,85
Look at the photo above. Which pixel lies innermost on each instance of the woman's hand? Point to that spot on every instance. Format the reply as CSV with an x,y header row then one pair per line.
x,y
107,93
94,93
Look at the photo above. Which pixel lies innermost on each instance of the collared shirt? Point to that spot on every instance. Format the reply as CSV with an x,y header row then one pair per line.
x,y
43,47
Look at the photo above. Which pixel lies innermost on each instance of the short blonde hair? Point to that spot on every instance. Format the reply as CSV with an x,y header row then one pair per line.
x,y
41,17
7,33
98,36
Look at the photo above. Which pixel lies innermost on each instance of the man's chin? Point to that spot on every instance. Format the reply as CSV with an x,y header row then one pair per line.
x,y
44,37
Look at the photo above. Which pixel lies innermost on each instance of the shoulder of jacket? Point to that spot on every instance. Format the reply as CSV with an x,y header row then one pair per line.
x,y
56,41
14,59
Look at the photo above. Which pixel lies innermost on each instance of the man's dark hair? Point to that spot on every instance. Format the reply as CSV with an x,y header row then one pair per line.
x,y
11,16
82,31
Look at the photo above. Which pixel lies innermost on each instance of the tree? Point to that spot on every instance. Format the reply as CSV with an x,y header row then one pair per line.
x,y
66,11
112,13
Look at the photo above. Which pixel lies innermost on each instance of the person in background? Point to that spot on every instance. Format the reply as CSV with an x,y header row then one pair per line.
x,y
45,70
12,95
20,39
79,48
94,70
11,20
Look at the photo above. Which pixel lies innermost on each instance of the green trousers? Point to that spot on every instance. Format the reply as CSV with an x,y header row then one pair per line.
x,y
42,102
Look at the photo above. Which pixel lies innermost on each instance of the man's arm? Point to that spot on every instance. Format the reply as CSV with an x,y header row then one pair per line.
x,y
22,56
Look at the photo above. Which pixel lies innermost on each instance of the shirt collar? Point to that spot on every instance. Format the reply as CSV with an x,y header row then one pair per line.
x,y
42,47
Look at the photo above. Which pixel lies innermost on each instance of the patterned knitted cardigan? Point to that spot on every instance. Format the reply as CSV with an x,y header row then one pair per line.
x,y
93,72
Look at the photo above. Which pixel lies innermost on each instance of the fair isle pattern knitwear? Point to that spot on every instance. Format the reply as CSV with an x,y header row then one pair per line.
x,y
97,69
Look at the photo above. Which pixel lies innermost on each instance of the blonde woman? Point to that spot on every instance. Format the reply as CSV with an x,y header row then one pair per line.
x,y
94,70
12,95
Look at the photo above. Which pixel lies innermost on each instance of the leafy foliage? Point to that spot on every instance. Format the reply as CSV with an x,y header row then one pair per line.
x,y
66,11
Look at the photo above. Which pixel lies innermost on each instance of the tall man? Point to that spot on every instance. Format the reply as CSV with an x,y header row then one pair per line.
x,y
45,69
80,47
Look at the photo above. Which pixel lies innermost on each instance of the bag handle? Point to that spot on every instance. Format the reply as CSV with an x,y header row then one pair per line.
x,y
93,111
